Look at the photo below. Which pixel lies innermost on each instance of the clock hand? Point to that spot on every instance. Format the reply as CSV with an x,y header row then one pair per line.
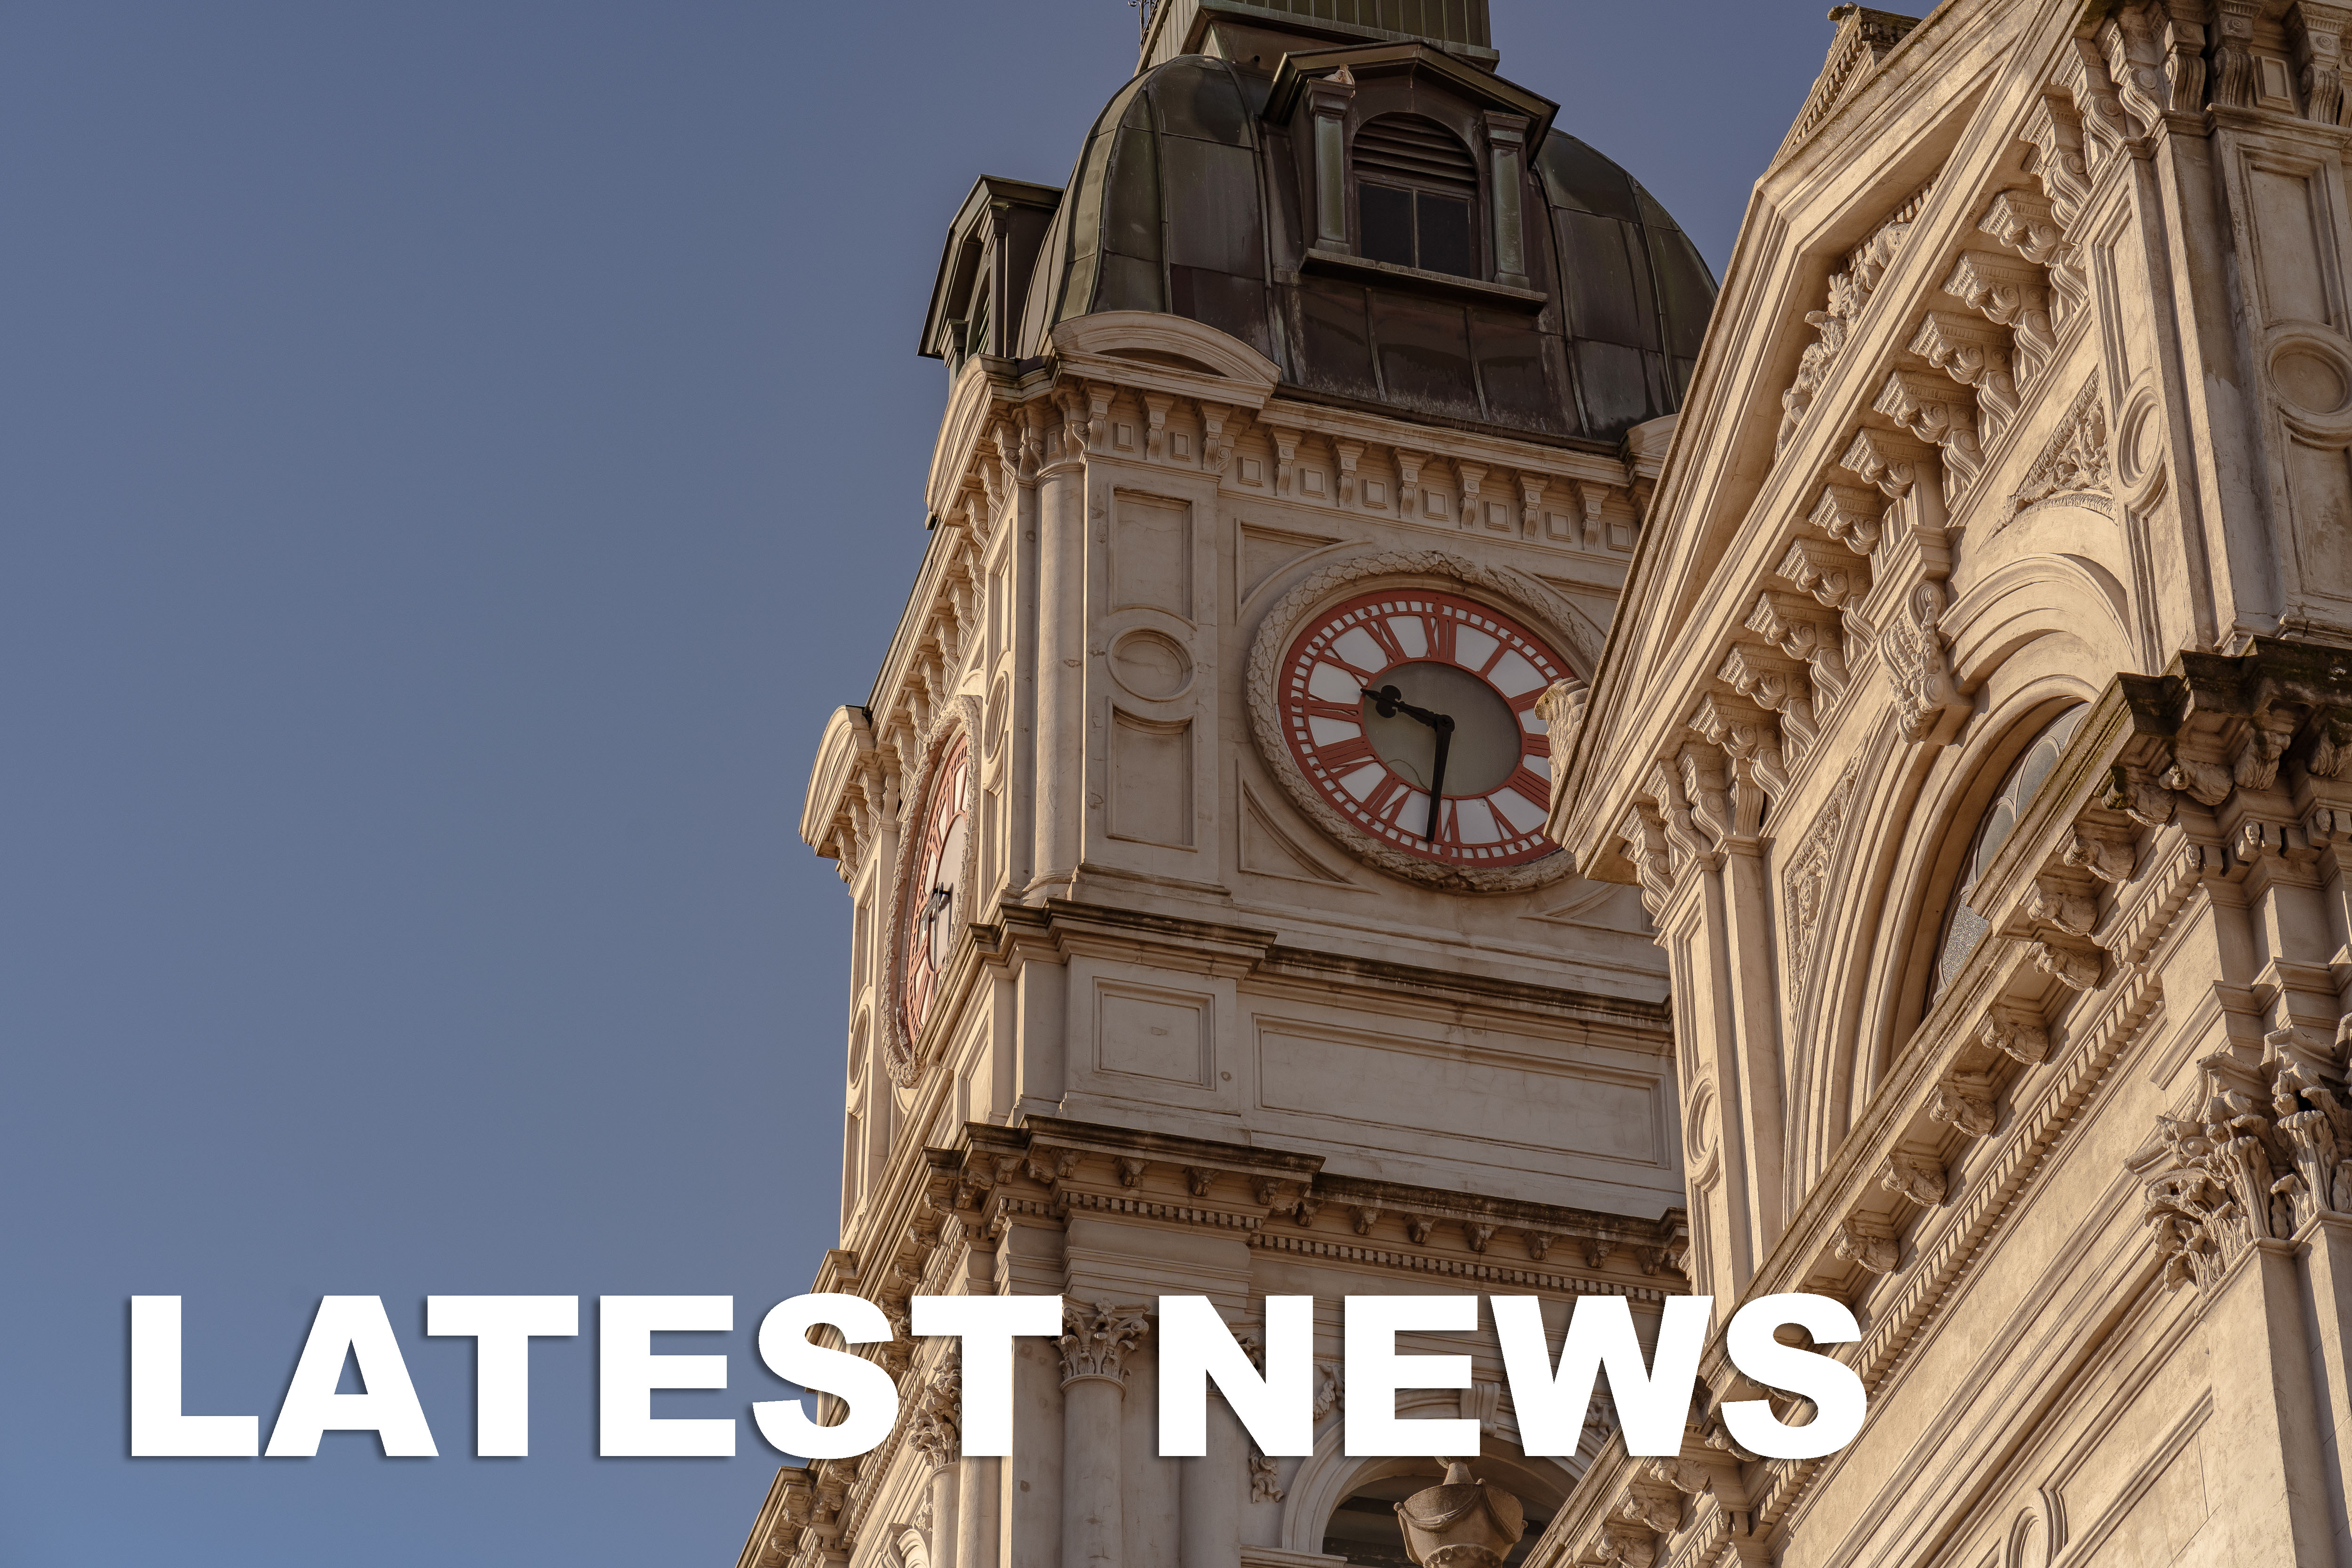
x,y
941,899
1389,702
1444,727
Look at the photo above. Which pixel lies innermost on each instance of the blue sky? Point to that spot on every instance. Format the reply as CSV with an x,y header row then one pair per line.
x,y
452,459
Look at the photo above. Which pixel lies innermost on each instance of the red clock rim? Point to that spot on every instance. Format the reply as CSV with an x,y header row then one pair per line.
x,y
1510,631
953,764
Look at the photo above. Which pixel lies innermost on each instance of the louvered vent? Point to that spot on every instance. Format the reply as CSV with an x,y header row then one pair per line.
x,y
1411,151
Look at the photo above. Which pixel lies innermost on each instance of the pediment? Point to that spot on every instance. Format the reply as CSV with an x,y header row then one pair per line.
x,y
1173,343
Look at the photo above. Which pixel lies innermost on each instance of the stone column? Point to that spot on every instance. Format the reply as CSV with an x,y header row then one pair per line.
x,y
1061,745
976,1532
1209,1531
934,1431
1095,1341
1017,515
2273,1506
1726,800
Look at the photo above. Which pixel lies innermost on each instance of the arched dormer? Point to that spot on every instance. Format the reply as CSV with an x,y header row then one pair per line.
x,y
1545,292
1416,195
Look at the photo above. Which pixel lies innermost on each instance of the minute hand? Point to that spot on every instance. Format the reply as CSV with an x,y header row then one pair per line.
x,y
1444,727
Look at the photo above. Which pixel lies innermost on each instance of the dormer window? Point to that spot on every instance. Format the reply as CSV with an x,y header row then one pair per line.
x,y
1416,195
975,333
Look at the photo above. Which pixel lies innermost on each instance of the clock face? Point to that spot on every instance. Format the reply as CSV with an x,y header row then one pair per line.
x,y
928,919
1390,696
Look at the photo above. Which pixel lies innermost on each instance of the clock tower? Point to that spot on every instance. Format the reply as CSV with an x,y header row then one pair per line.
x,y
1206,940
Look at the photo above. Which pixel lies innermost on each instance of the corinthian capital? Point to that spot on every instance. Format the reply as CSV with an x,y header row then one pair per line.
x,y
1096,1337
934,1423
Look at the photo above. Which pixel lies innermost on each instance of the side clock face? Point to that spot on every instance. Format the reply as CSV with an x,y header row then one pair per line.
x,y
1412,713
933,891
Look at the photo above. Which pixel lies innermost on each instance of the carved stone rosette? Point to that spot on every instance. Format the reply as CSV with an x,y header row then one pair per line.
x,y
1096,1337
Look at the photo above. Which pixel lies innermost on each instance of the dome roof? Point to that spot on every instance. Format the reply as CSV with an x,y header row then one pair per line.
x,y
1185,199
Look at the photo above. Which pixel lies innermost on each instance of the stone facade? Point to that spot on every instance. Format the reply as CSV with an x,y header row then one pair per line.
x,y
1975,725
1954,914
1168,1013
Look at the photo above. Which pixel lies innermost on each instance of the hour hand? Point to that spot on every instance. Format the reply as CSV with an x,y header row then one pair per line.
x,y
1388,701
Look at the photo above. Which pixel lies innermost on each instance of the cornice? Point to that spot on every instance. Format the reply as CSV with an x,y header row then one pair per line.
x,y
1059,926
764,1549
1046,1168
2006,1063
1670,636
1647,1019
847,741
1298,69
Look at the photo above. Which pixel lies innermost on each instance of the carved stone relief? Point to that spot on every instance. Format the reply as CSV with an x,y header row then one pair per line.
x,y
1805,885
2263,1150
1916,665
2074,460
1096,1338
1850,288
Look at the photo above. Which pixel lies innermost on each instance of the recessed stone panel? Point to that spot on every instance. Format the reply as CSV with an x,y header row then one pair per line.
x,y
1145,1032
1446,1092
1152,555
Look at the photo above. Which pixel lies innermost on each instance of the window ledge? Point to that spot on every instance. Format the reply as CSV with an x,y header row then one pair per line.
x,y
1476,289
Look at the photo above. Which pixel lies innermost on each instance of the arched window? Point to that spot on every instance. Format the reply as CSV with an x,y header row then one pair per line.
x,y
1416,194
1963,926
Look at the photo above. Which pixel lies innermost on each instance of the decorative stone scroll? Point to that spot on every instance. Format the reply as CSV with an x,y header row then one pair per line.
x,y
1801,632
1894,464
2076,967
1854,518
1776,684
1561,708
1936,412
2028,225
1973,354
1263,1473
2052,901
1750,738
1967,1102
1916,1177
1861,1241
933,1424
1824,571
2316,31
2056,131
2009,293
1916,667
2016,1034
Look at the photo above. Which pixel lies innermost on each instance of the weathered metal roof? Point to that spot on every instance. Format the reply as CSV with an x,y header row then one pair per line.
x,y
1184,200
